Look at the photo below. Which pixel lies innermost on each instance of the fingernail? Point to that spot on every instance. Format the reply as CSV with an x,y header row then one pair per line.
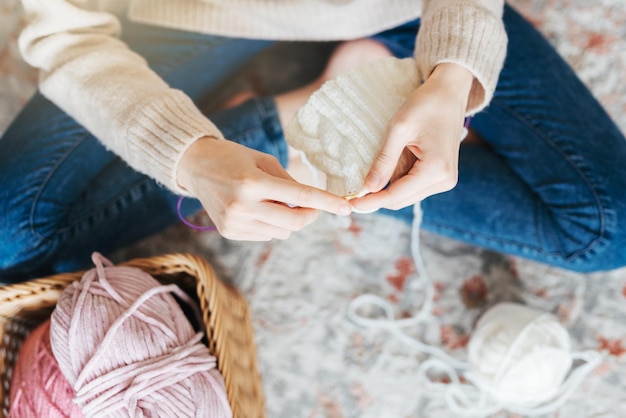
x,y
355,210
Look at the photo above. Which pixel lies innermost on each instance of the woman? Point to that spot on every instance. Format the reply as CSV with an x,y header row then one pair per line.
x,y
536,179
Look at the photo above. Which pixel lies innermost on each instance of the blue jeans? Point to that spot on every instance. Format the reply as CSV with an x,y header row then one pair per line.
x,y
551,185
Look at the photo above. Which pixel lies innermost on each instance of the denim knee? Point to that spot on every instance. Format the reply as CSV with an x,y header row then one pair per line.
x,y
606,252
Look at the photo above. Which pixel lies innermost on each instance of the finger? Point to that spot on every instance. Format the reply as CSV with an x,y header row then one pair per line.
x,y
253,230
248,237
385,162
267,220
282,216
388,199
405,163
305,196
417,185
301,195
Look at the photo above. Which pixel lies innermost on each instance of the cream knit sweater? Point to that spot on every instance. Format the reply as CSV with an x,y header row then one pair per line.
x,y
94,77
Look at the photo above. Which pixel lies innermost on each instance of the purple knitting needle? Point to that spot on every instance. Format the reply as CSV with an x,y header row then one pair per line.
x,y
189,224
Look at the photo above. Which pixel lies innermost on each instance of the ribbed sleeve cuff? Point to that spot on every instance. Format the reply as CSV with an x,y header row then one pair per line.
x,y
161,132
468,36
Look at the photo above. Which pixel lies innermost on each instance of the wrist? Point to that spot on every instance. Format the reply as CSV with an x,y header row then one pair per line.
x,y
196,151
456,78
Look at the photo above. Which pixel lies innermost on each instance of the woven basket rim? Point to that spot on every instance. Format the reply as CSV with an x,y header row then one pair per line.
x,y
224,311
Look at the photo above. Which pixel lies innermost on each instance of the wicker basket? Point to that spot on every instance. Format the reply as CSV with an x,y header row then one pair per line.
x,y
225,314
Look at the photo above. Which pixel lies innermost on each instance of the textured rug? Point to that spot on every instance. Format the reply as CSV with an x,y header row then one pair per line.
x,y
314,361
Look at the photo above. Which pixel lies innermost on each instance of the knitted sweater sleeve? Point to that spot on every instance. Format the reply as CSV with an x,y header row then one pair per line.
x,y
93,76
468,33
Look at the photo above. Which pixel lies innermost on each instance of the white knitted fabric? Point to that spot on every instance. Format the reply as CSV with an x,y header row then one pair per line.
x,y
342,126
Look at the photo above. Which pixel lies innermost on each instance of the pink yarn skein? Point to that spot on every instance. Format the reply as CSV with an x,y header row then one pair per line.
x,y
127,349
38,388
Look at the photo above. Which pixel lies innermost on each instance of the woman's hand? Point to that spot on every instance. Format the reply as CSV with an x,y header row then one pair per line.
x,y
247,194
421,151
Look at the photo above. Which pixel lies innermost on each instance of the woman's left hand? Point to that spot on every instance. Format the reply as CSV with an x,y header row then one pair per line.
x,y
421,151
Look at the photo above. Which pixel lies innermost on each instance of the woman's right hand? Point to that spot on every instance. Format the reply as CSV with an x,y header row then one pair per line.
x,y
247,194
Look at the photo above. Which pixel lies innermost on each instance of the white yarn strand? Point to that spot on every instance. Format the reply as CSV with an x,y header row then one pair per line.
x,y
393,325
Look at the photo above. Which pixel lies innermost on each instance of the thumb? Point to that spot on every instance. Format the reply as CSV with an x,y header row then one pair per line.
x,y
384,165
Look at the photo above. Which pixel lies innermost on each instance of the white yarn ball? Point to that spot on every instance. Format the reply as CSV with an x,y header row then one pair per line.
x,y
518,355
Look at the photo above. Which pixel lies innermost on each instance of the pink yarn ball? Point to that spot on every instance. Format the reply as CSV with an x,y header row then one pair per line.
x,y
128,350
38,388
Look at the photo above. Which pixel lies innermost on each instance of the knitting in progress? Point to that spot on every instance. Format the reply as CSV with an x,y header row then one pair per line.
x,y
519,359
125,348
341,127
